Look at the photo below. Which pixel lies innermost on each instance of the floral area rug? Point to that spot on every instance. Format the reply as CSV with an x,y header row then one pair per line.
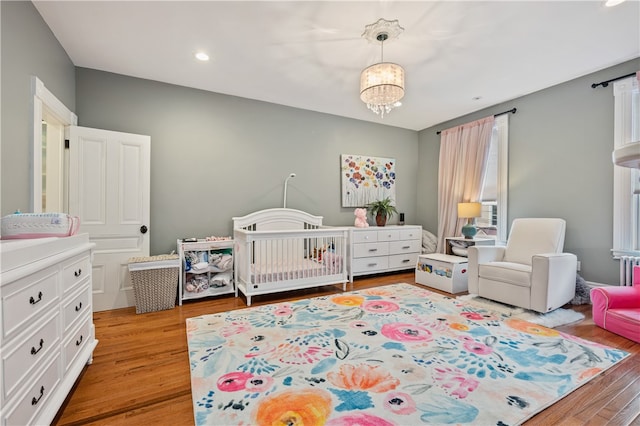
x,y
391,355
551,319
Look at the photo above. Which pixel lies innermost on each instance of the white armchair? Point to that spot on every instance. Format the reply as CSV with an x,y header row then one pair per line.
x,y
530,272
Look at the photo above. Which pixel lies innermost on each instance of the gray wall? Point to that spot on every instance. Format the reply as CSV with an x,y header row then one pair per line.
x,y
560,144
215,156
28,48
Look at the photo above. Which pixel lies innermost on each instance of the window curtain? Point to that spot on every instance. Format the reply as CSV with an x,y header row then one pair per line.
x,y
463,154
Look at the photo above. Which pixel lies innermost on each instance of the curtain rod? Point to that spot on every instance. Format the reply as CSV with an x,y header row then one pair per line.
x,y
512,110
606,83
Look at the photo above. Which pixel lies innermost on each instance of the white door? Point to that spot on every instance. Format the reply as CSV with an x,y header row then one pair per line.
x,y
109,190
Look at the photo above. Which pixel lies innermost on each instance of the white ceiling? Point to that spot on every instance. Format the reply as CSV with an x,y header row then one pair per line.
x,y
309,54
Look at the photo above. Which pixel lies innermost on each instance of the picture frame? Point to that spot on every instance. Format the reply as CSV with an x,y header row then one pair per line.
x,y
366,178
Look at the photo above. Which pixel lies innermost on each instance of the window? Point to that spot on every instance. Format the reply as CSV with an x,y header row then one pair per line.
x,y
494,188
626,181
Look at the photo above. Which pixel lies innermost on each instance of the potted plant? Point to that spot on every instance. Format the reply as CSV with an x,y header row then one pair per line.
x,y
382,210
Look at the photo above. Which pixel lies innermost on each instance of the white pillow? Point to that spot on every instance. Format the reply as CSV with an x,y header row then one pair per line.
x,y
429,242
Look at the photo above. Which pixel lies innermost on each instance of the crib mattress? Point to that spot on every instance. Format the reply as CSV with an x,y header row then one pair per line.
x,y
284,271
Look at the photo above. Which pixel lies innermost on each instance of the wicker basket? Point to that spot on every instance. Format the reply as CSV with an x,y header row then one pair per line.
x,y
155,282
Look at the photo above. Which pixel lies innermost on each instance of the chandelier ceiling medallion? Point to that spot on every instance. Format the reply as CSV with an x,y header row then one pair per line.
x,y
382,84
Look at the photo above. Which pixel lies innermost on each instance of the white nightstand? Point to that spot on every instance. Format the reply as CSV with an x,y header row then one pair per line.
x,y
442,271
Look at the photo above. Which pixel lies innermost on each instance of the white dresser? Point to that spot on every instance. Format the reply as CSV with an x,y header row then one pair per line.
x,y
47,333
383,249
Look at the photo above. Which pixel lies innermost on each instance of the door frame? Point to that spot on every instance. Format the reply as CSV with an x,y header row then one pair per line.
x,y
43,102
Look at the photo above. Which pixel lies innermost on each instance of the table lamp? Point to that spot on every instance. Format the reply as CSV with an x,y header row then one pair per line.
x,y
469,211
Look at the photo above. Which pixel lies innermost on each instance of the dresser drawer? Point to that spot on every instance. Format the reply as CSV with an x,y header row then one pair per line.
x,y
26,406
411,234
365,236
398,261
370,264
76,341
389,235
406,246
27,353
27,299
77,306
75,270
370,249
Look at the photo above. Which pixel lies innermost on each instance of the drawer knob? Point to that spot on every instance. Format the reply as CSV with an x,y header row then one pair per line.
x,y
77,273
35,400
406,247
79,306
34,301
34,350
373,249
79,342
406,260
372,264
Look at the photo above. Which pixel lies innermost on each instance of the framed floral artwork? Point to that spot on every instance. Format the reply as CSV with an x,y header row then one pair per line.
x,y
366,179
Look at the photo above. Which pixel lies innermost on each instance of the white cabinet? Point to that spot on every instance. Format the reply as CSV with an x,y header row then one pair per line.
x,y
206,269
47,333
383,249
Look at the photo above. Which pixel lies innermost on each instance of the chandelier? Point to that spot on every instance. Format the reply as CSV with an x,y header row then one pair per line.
x,y
382,84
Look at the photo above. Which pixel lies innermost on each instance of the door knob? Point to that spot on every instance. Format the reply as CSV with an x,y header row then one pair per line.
x,y
144,229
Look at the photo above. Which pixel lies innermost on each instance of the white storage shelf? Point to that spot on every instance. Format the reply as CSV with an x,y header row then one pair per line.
x,y
383,249
457,246
206,269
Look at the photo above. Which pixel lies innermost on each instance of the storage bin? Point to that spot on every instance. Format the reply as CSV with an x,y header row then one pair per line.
x,y
155,282
442,271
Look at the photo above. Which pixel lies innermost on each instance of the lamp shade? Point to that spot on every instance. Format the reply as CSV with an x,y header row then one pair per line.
x,y
469,210
382,84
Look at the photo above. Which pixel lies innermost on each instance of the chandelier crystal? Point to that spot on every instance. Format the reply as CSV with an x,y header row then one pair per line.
x,y
382,84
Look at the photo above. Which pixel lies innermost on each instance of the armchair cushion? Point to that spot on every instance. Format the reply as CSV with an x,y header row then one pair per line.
x,y
534,236
508,272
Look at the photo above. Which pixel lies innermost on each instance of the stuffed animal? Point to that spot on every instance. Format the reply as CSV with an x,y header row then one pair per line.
x,y
361,218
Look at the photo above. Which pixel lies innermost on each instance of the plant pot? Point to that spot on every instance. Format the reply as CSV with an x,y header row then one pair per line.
x,y
381,220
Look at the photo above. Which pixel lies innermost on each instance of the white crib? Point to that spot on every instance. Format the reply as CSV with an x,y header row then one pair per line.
x,y
286,249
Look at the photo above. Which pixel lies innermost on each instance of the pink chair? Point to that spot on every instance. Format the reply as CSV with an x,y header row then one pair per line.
x,y
617,309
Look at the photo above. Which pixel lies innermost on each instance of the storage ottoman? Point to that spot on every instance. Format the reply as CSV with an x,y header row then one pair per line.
x,y
443,272
155,282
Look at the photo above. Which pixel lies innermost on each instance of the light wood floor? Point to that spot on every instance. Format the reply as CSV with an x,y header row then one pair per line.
x,y
140,370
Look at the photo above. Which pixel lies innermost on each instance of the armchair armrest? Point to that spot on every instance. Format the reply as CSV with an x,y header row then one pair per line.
x,y
553,280
477,255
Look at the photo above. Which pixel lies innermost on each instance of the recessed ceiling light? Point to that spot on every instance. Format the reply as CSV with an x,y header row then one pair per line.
x,y
201,56
611,3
